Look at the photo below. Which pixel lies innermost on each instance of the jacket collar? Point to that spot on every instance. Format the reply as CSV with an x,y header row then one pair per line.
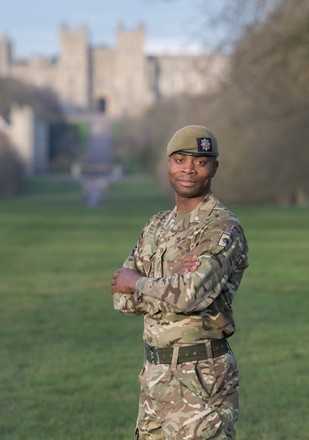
x,y
195,217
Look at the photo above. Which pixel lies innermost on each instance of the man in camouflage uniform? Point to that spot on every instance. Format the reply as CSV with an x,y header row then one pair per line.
x,y
182,276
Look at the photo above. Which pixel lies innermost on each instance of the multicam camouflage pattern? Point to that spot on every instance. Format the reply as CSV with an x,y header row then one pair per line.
x,y
197,400
194,400
190,308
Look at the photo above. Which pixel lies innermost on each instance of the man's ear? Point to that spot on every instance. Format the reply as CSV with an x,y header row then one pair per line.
x,y
214,168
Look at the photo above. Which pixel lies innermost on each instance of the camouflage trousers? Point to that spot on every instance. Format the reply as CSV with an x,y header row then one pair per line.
x,y
192,400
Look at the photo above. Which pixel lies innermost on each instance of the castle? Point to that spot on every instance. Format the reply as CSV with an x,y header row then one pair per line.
x,y
120,81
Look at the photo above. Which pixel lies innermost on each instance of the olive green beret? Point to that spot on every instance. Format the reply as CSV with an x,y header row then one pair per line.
x,y
193,140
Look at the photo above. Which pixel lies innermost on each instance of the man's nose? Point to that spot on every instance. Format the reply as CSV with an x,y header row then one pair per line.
x,y
189,167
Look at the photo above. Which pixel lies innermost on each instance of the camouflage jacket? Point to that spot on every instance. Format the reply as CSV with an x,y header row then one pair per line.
x,y
190,308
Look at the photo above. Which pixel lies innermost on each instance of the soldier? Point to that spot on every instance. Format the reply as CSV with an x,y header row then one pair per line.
x,y
182,276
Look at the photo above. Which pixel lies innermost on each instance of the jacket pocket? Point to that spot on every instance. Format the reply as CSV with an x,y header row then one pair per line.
x,y
218,375
146,256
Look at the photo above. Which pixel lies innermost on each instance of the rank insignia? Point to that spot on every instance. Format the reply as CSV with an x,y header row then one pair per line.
x,y
204,144
225,241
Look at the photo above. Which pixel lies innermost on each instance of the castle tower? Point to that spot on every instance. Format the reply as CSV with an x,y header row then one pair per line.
x,y
74,68
5,55
130,69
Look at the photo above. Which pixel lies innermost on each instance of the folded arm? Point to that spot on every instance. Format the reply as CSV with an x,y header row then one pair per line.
x,y
220,259
124,282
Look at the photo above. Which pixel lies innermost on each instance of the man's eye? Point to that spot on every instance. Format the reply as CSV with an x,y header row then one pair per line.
x,y
201,163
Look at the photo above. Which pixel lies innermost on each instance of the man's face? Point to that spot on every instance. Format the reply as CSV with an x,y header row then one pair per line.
x,y
190,176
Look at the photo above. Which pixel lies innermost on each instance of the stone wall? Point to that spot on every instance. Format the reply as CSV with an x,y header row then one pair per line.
x,y
121,80
29,136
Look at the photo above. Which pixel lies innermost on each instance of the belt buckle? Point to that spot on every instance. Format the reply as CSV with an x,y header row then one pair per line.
x,y
154,354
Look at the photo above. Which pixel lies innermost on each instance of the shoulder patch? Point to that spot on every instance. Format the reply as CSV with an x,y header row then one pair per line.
x,y
227,237
225,241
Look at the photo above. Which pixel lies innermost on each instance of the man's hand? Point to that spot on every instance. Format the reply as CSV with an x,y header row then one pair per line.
x,y
124,280
189,264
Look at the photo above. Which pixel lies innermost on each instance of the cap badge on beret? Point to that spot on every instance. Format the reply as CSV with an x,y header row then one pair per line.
x,y
204,144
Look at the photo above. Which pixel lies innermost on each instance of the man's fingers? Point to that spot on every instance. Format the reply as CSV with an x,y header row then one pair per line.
x,y
190,257
189,264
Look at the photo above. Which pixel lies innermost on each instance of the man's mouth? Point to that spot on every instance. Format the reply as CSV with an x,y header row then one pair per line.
x,y
187,182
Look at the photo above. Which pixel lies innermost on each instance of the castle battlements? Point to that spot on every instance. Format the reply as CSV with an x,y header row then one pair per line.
x,y
121,80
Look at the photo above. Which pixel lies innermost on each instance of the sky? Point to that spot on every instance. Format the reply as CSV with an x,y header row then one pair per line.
x,y
33,24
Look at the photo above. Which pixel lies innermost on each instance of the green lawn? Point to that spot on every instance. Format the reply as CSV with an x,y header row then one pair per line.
x,y
69,363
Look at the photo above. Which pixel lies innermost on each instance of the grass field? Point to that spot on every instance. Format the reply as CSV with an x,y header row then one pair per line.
x,y
69,363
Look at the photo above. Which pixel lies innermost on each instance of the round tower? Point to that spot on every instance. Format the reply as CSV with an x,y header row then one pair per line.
x,y
130,70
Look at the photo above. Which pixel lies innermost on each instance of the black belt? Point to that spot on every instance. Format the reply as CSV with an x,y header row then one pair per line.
x,y
198,352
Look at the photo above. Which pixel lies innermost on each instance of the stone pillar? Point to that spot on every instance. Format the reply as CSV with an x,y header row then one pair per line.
x,y
29,134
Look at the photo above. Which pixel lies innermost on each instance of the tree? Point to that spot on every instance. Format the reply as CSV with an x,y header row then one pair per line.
x,y
64,139
44,102
259,113
270,76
